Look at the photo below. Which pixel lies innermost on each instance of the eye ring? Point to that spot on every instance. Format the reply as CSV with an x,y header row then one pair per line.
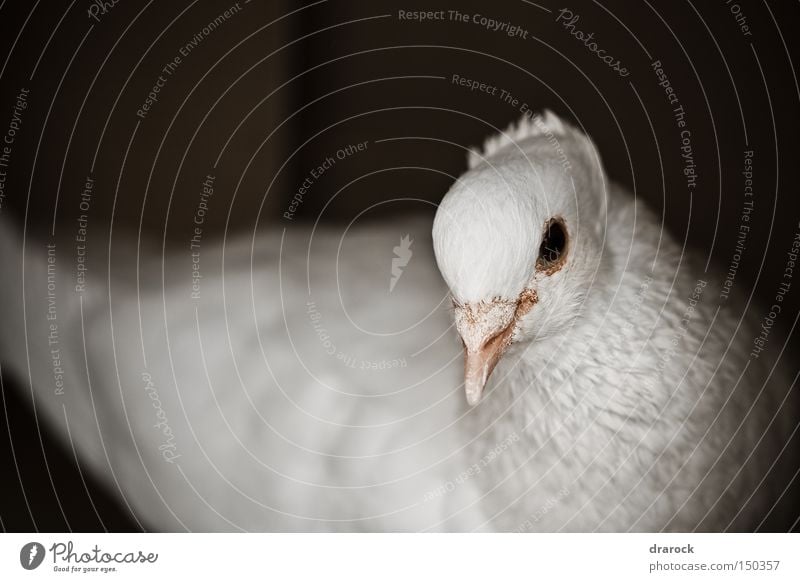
x,y
554,246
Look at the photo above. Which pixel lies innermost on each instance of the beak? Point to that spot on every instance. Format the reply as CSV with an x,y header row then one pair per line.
x,y
486,330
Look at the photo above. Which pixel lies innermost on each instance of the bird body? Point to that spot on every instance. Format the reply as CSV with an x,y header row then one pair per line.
x,y
295,394
631,414
314,384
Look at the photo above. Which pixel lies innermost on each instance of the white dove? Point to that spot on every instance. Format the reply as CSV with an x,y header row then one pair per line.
x,y
295,391
635,399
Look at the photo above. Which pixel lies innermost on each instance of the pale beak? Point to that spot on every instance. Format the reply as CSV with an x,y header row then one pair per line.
x,y
486,329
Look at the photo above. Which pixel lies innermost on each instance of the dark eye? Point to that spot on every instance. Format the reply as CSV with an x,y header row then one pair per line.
x,y
553,249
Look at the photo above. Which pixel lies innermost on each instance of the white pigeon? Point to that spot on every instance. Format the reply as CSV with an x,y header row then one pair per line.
x,y
635,397
314,381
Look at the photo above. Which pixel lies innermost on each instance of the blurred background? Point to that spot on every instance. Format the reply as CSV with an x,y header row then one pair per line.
x,y
263,94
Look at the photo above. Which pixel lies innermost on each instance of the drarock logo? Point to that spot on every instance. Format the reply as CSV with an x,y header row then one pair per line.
x,y
402,256
31,555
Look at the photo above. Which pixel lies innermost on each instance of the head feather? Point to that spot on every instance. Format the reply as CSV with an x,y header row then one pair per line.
x,y
529,125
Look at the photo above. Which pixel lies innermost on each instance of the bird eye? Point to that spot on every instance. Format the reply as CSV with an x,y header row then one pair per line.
x,y
553,249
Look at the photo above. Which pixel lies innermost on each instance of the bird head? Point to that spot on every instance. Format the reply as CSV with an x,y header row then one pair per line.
x,y
518,239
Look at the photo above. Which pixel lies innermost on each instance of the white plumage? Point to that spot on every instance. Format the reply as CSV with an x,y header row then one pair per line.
x,y
300,393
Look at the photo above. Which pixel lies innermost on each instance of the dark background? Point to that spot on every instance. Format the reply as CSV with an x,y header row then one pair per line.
x,y
281,86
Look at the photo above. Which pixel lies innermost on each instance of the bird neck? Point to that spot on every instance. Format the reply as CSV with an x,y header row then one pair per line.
x,y
544,387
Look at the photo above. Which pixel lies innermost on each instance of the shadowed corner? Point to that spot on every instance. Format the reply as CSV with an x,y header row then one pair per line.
x,y
46,489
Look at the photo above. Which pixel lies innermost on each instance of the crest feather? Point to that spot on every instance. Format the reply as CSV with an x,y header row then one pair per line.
x,y
545,124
